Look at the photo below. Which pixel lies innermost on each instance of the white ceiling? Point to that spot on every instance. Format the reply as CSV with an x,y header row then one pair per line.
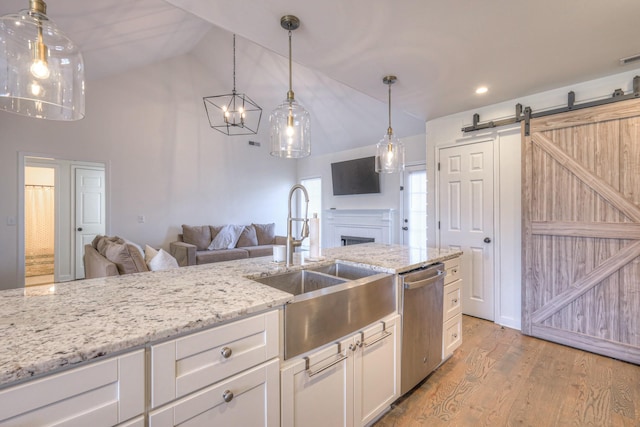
x,y
440,50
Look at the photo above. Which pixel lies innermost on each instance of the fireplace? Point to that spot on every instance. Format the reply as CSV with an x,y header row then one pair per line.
x,y
372,225
355,240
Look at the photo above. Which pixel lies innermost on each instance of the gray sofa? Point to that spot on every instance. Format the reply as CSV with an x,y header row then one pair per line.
x,y
193,245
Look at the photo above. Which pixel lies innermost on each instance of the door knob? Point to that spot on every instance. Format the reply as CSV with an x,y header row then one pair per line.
x,y
79,228
487,240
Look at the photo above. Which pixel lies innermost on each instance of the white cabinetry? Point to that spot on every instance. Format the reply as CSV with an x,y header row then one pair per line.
x,y
349,383
99,394
225,374
452,309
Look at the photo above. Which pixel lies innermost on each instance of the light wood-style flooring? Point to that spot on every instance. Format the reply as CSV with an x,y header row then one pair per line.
x,y
499,377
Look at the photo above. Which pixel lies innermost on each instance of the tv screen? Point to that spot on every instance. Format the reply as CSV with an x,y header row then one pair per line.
x,y
356,176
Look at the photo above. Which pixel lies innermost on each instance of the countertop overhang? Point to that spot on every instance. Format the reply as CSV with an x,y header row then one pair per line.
x,y
46,329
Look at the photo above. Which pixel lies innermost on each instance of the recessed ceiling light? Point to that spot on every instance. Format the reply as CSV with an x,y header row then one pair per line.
x,y
482,89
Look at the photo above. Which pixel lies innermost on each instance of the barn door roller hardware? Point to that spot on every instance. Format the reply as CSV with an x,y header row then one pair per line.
x,y
526,114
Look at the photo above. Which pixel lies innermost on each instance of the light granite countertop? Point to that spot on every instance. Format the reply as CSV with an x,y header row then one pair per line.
x,y
46,328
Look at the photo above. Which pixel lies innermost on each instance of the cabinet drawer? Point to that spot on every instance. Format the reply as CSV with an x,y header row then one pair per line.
x,y
452,300
247,399
452,267
184,365
98,394
452,335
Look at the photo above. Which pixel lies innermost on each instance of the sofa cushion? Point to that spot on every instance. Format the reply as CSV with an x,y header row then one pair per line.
x,y
226,238
200,236
125,256
205,257
255,251
248,237
266,233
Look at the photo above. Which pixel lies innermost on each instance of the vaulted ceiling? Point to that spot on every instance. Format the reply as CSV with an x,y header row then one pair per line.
x,y
440,50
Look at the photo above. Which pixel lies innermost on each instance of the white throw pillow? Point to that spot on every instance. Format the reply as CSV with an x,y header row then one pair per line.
x,y
162,261
149,253
227,238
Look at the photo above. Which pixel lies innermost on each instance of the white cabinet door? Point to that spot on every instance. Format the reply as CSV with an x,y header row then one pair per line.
x,y
376,370
318,390
247,399
98,394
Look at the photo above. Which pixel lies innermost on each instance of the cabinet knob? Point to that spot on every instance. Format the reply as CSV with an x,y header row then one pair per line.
x,y
455,301
227,396
354,347
454,271
79,228
454,336
226,353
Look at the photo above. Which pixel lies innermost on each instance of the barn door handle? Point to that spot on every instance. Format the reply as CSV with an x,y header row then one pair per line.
x,y
79,228
487,240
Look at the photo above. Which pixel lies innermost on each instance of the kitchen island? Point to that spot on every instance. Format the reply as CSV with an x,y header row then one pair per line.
x,y
50,329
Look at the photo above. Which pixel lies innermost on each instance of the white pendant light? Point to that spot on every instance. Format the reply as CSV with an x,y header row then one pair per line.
x,y
290,122
41,70
390,150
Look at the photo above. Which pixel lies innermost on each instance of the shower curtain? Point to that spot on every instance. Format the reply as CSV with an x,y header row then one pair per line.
x,y
39,204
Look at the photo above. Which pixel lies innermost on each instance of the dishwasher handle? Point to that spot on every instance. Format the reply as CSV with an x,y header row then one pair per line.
x,y
425,282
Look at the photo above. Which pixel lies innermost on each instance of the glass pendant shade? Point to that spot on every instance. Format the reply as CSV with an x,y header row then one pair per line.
x,y
41,70
390,150
290,122
290,130
389,154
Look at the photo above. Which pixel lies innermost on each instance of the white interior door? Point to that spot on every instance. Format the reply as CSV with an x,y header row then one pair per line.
x,y
414,206
90,210
466,220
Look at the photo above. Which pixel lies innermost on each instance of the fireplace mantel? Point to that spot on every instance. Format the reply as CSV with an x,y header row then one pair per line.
x,y
373,223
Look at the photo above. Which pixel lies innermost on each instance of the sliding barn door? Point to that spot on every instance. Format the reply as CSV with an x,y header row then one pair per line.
x,y
581,229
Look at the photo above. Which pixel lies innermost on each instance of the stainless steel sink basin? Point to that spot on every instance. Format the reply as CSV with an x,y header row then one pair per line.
x,y
300,282
345,271
330,302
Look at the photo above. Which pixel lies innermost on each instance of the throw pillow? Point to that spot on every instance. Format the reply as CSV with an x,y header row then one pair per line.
x,y
248,237
162,261
123,256
200,236
266,233
149,253
227,237
215,229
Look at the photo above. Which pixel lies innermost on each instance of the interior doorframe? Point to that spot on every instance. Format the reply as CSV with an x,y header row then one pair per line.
x,y
494,138
54,159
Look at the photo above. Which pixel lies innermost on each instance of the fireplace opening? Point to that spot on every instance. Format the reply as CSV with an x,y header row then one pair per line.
x,y
355,240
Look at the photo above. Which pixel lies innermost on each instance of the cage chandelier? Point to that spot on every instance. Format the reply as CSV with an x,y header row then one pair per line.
x,y
234,113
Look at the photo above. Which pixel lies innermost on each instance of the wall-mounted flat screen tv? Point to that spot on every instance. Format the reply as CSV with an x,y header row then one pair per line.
x,y
357,176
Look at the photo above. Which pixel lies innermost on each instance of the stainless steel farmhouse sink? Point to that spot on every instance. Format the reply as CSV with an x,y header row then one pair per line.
x,y
330,302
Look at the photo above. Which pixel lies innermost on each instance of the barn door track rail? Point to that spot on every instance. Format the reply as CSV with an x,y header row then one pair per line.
x,y
526,114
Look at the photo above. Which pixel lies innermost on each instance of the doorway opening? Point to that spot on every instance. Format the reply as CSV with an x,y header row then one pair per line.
x,y
60,203
39,220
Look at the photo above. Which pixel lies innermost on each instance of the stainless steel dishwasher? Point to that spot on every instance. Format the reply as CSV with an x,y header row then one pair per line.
x,y
422,298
